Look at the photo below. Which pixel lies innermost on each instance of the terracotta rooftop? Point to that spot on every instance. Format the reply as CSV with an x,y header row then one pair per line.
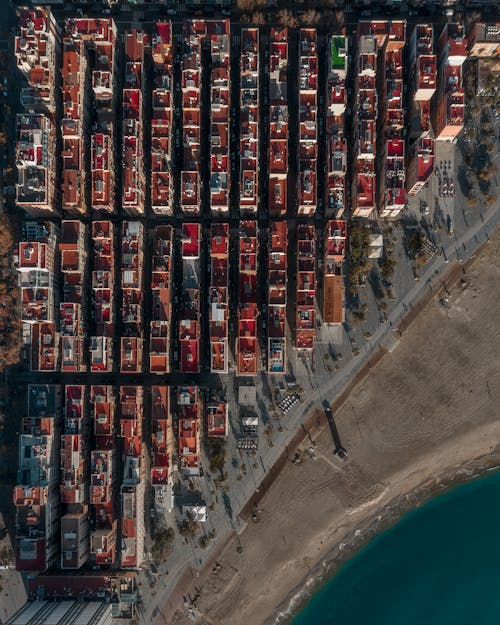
x,y
102,162
457,42
276,312
187,415
34,47
161,301
425,158
190,240
333,286
249,118
161,124
217,418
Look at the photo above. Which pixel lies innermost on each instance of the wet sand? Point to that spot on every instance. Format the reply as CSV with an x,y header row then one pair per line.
x,y
425,417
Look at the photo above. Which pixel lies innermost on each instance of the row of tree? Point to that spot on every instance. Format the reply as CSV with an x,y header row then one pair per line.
x,y
10,323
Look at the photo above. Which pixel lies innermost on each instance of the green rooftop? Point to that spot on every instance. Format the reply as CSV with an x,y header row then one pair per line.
x,y
338,52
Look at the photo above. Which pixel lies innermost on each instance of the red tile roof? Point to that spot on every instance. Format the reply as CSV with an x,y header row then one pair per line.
x,y
249,119
306,287
188,427
276,312
246,344
218,305
217,418
190,240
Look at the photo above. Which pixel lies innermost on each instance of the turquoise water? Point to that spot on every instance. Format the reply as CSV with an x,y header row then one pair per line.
x,y
440,565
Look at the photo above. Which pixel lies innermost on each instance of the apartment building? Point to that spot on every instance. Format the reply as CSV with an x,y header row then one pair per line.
x,y
36,164
246,341
75,539
187,423
95,40
218,297
103,477
424,66
366,109
219,36
36,265
392,194
71,310
133,483
161,122
133,180
305,319
308,122
484,45
484,40
189,308
249,120
450,109
74,123
278,122
380,122
99,42
75,527
333,268
194,32
131,342
276,303
216,417
162,448
37,46
73,454
103,286
103,161
161,313
423,80
335,125
99,35
36,496
124,598
44,343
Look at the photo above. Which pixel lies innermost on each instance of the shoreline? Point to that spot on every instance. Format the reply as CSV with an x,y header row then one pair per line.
x,y
414,428
317,418
380,520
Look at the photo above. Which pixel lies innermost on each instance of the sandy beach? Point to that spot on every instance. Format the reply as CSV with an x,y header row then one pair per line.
x,y
426,417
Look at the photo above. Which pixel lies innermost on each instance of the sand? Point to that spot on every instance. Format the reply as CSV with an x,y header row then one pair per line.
x,y
425,417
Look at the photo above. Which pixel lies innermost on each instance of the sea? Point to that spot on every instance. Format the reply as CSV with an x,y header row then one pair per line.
x,y
439,565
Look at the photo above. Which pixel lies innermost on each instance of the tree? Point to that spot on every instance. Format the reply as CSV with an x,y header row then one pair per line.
x,y
10,323
258,18
204,541
415,242
310,17
249,5
358,315
487,173
217,461
162,544
216,452
287,18
387,265
359,241
188,528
